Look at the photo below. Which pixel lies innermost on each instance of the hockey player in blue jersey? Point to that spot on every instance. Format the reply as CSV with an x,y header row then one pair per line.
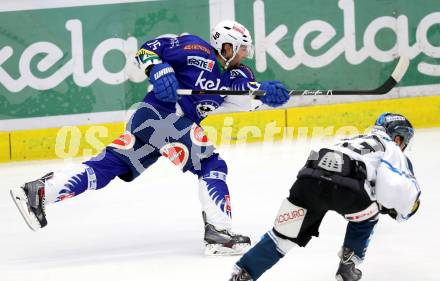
x,y
167,125
359,178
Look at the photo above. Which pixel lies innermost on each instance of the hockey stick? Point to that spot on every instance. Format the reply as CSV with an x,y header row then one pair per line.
x,y
389,84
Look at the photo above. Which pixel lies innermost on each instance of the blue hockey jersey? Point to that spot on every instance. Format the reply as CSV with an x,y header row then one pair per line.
x,y
196,67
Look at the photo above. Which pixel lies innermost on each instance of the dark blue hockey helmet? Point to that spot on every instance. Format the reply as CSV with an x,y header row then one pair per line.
x,y
396,125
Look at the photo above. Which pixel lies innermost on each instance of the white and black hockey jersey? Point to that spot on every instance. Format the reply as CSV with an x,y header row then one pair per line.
x,y
390,179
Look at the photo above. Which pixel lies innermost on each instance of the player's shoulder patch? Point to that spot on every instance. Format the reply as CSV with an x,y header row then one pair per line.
x,y
243,71
196,45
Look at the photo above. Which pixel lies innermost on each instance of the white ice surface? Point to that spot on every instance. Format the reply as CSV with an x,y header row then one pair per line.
x,y
151,229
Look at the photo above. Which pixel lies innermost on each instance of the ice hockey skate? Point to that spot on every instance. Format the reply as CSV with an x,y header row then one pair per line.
x,y
29,200
240,274
347,270
222,242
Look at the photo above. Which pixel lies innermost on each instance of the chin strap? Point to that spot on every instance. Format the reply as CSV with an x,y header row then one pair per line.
x,y
227,62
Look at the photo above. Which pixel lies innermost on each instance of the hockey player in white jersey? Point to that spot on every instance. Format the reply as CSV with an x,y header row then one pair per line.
x,y
359,178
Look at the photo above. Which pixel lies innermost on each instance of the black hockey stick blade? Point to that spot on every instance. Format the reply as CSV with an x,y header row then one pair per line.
x,y
396,76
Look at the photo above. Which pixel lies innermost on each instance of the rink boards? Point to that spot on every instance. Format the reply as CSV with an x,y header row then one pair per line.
x,y
269,125
5,152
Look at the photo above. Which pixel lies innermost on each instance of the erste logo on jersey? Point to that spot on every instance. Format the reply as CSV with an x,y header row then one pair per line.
x,y
125,141
198,136
200,62
176,152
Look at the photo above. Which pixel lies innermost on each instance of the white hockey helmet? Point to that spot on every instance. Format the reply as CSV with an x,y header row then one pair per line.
x,y
234,33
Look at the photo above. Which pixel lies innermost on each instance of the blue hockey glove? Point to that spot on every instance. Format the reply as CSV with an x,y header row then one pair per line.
x,y
164,82
276,93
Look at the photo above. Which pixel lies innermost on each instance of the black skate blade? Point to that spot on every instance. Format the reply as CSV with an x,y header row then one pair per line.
x,y
20,200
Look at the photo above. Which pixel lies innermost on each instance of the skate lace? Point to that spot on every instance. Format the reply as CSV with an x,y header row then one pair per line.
x,y
42,196
229,232
347,258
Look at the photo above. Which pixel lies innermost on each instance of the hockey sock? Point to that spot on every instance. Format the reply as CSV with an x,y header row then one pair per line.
x,y
214,196
68,182
261,257
357,236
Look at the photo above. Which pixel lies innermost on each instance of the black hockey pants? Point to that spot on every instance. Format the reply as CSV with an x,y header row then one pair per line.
x,y
318,196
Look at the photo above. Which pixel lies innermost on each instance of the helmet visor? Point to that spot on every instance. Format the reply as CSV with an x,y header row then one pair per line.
x,y
405,132
248,50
